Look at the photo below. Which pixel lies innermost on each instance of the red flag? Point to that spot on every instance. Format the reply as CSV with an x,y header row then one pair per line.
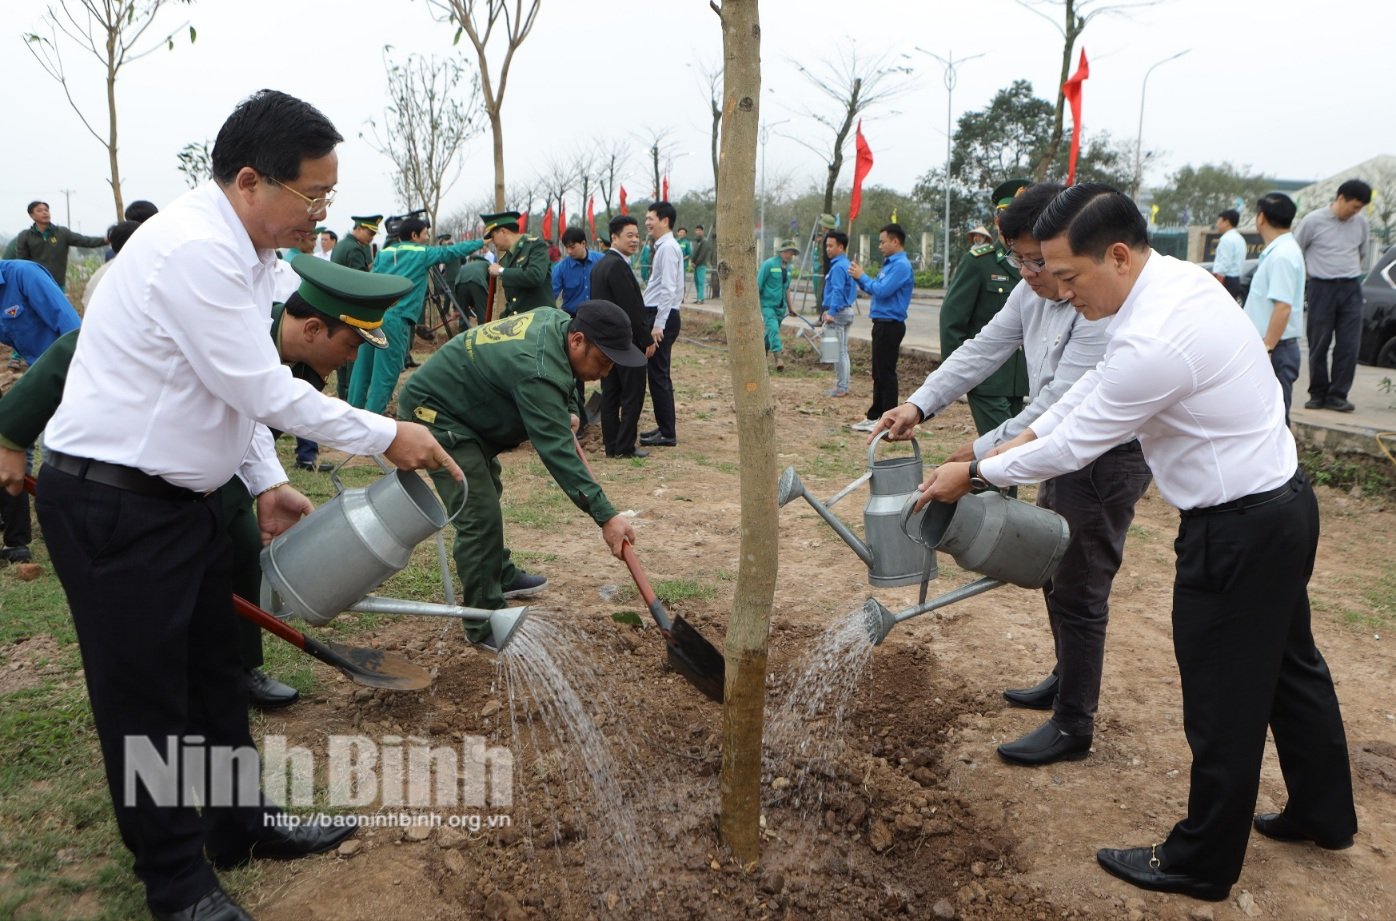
x,y
664,194
548,224
591,214
623,209
1071,89
561,218
523,222
860,172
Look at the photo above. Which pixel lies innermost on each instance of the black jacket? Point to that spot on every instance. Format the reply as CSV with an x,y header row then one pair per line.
x,y
613,280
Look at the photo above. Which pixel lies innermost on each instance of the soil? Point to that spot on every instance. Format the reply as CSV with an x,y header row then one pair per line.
x,y
914,816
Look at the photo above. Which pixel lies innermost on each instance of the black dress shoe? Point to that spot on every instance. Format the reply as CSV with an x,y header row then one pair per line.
x,y
1313,404
1044,745
286,844
658,441
637,452
266,693
1143,867
652,433
1040,696
1338,404
1282,828
214,905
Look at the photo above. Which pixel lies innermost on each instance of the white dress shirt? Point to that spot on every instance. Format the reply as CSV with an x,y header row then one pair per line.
x,y
175,367
285,282
665,288
1060,346
1184,372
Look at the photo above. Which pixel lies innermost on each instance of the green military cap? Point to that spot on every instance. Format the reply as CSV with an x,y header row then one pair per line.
x,y
1005,193
788,246
509,220
369,221
828,221
322,229
355,297
442,237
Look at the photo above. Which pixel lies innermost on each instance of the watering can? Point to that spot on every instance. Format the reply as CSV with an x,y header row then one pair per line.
x,y
330,560
828,345
892,556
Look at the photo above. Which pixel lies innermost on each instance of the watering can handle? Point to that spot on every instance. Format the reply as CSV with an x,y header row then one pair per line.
x,y
386,467
872,448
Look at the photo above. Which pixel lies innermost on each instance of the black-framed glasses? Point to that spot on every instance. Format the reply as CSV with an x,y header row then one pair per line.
x,y
312,205
1019,263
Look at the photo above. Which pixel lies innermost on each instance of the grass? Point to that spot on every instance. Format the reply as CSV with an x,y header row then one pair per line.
x,y
1373,476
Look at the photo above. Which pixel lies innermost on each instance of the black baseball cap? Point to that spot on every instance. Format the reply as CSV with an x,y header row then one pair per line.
x,y
607,327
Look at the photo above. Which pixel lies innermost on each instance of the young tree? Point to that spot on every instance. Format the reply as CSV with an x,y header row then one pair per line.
x,y
1197,194
749,626
428,121
478,19
196,162
854,86
114,32
710,78
612,162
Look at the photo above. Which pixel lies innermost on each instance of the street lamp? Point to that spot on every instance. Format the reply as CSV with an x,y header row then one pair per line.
x,y
950,79
1139,139
765,133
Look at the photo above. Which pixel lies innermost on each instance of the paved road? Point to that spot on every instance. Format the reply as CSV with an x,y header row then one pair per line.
x,y
1376,410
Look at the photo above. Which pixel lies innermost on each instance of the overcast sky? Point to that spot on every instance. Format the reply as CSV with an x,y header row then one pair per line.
x,y
1294,90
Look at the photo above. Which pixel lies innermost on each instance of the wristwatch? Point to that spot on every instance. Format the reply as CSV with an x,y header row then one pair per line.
x,y
975,480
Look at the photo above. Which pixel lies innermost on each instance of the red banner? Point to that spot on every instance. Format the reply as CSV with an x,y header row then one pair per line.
x,y
1071,89
523,222
548,224
664,193
623,209
561,219
591,214
860,172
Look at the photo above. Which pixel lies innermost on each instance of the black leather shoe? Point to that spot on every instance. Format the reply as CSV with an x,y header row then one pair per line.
x,y
1040,696
658,441
1313,404
286,844
1044,745
1282,828
266,693
214,905
652,433
1338,404
637,452
1143,867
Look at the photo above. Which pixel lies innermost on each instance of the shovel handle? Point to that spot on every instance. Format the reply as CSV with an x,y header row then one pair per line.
x,y
249,611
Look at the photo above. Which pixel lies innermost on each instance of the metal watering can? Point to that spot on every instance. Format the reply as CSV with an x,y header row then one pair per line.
x,y
892,556
329,561
1005,540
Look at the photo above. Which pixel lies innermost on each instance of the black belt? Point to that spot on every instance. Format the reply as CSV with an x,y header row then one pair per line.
x,y
119,477
1129,447
1337,281
1296,484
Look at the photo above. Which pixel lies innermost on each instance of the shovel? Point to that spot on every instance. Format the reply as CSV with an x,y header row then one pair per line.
x,y
690,654
369,667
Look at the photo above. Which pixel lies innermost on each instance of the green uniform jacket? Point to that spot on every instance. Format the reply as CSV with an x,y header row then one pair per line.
x,y
702,250
978,290
352,253
11,248
527,277
412,261
506,382
49,248
473,286
772,281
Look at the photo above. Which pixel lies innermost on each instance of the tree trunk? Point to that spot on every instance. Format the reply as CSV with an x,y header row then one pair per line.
x,y
1049,155
749,627
111,128
497,133
717,134
836,162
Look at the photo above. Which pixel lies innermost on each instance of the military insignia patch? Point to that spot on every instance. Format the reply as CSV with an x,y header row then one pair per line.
x,y
13,310
509,329
981,249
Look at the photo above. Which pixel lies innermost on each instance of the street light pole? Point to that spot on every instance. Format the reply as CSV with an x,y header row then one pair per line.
x,y
951,78
1139,138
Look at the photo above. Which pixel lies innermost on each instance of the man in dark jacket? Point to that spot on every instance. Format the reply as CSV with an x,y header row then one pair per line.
x,y
47,243
623,390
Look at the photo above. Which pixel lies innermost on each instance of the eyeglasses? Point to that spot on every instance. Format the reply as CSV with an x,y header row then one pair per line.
x,y
1019,263
312,205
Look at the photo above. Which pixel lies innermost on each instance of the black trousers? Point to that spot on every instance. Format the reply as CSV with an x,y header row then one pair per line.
x,y
1098,502
886,349
1232,284
240,518
622,400
1247,659
1333,317
147,581
14,512
661,384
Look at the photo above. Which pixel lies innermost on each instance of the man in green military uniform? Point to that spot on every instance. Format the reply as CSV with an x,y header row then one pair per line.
x,y
473,286
981,284
356,252
47,243
523,271
496,386
773,286
334,311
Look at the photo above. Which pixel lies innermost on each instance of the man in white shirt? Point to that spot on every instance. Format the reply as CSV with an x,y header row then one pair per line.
x,y
1275,303
1097,501
1190,379
1231,252
663,295
128,499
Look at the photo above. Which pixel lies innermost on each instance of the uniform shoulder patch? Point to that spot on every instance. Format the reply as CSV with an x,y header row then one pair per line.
x,y
509,329
981,249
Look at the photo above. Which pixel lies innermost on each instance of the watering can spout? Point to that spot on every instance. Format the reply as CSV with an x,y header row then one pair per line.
x,y
878,620
790,487
504,623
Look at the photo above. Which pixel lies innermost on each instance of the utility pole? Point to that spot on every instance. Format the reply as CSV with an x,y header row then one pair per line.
x,y
951,77
67,207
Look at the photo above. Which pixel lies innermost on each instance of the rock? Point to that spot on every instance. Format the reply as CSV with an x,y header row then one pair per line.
x,y
349,848
1134,905
924,776
27,572
773,883
943,909
1202,913
714,865
489,709
612,900
780,783
879,836
1135,915
501,906
1246,902
455,862
978,868
415,832
448,838
908,822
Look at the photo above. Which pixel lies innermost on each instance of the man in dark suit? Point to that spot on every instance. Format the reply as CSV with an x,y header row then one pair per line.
x,y
623,390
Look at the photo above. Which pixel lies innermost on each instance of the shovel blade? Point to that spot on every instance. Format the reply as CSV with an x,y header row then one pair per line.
x,y
692,656
375,668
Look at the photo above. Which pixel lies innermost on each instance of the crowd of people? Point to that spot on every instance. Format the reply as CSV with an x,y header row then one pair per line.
x,y
1092,365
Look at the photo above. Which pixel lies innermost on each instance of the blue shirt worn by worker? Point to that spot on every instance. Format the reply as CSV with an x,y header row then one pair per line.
x,y
1231,254
890,290
1279,278
572,279
33,310
840,290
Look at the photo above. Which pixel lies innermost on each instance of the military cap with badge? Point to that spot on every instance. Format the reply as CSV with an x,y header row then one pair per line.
x,y
350,296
